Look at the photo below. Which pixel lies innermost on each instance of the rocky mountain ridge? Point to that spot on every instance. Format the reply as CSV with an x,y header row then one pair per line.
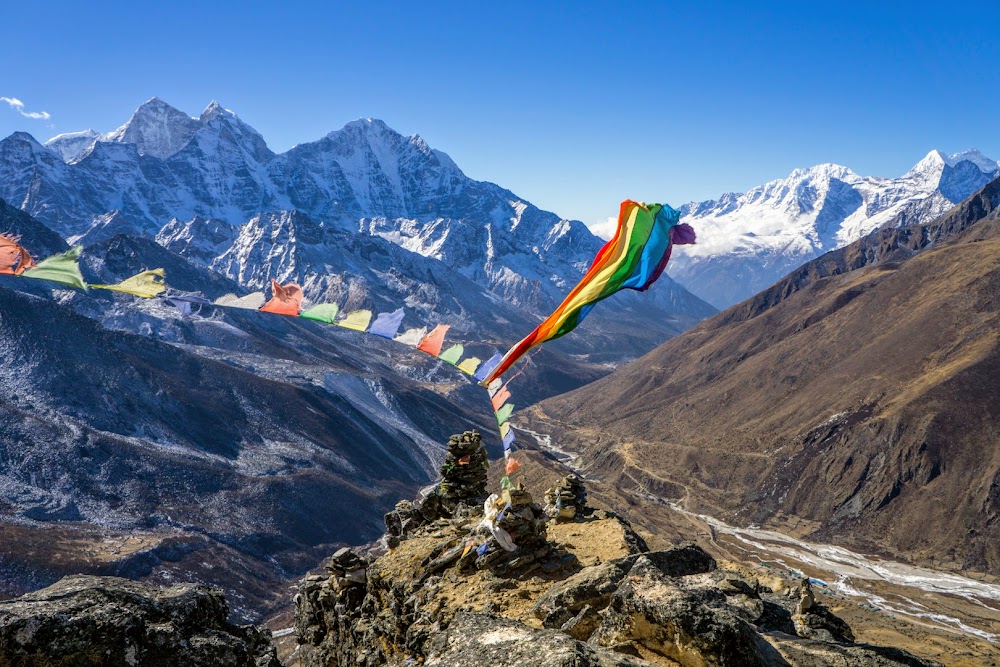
x,y
748,241
446,246
103,414
791,408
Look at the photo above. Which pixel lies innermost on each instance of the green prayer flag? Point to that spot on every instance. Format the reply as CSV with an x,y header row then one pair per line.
x,y
505,482
503,414
324,312
63,268
452,354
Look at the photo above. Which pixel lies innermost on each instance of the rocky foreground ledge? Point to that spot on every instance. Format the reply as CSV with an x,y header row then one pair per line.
x,y
460,579
580,589
84,621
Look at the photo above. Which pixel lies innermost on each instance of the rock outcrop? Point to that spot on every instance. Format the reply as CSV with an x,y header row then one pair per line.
x,y
814,621
583,591
83,620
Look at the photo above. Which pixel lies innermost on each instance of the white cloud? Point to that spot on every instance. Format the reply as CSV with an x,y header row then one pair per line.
x,y
605,228
18,106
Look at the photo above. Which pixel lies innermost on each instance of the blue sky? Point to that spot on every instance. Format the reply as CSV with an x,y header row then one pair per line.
x,y
572,105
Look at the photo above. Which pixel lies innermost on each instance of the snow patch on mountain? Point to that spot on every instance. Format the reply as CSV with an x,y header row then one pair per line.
x,y
72,145
747,241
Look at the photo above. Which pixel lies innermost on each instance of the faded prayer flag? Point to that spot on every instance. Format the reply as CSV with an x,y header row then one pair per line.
x,y
503,414
252,301
14,259
285,299
357,320
147,284
412,337
508,441
469,366
500,398
452,354
183,302
488,367
63,268
387,324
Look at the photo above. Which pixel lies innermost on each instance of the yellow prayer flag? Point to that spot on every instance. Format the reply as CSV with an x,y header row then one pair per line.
x,y
147,284
470,365
357,320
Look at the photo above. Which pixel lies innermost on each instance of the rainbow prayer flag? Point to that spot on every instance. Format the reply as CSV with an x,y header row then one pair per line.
x,y
634,259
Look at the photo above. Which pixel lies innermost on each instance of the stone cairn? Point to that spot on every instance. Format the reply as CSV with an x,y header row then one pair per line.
x,y
347,569
814,621
566,499
463,472
461,491
526,524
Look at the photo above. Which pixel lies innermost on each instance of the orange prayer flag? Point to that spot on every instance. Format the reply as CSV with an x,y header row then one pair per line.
x,y
13,258
513,465
286,300
432,342
468,547
465,460
500,398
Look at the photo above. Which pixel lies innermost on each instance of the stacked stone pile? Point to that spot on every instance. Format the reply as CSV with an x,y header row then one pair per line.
x,y
460,493
346,568
463,472
815,621
469,579
526,524
566,499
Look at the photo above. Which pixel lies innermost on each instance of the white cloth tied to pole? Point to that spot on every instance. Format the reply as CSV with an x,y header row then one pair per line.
x,y
491,515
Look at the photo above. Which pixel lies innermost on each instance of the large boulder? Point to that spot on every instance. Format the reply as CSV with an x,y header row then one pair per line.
x,y
84,620
686,619
573,604
815,653
486,639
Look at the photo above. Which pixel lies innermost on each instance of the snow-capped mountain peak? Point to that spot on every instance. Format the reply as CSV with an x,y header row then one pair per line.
x,y
361,181
973,155
931,168
826,171
156,129
927,172
747,241
213,110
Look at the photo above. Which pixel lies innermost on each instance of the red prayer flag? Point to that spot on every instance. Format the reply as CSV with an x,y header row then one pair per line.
x,y
432,342
13,255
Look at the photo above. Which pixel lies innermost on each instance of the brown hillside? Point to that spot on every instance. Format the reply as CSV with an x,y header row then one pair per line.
x,y
860,393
